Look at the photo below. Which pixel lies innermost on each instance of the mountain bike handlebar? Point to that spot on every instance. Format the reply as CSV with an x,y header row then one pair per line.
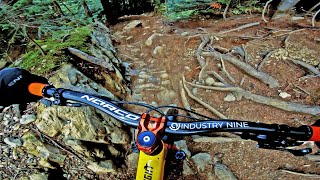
x,y
267,135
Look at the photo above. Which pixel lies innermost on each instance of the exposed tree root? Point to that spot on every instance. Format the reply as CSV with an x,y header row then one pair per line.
x,y
315,158
314,18
265,78
264,10
287,106
287,39
92,59
217,76
221,49
226,10
307,66
265,59
184,100
205,39
313,8
246,59
301,174
202,71
241,27
213,110
224,70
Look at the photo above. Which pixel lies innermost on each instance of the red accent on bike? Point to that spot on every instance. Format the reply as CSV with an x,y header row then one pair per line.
x,y
36,88
315,133
156,126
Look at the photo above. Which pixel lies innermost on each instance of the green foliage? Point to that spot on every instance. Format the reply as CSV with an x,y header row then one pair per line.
x,y
46,22
182,15
41,64
184,9
45,18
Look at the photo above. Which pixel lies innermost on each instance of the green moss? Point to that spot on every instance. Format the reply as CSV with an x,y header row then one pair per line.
x,y
40,64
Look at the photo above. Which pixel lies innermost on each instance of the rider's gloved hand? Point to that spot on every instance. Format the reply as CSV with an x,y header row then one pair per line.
x,y
14,84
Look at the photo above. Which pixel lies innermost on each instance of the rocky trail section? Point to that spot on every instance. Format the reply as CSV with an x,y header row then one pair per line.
x,y
67,142
83,143
238,69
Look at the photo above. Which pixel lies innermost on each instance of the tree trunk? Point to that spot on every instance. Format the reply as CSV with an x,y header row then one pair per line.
x,y
284,8
116,8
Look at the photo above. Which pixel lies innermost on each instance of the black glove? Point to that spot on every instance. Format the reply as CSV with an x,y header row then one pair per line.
x,y
14,84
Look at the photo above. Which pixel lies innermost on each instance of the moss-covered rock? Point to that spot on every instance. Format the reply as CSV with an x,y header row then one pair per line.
x,y
51,54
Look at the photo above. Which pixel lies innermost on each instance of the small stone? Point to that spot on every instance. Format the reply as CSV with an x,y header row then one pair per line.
x,y
15,154
194,91
210,81
166,82
103,167
164,76
137,97
12,142
38,176
16,127
187,68
5,122
223,172
284,95
26,119
144,75
132,25
132,160
153,103
230,98
149,41
186,169
128,38
159,50
15,118
185,34
202,161
16,110
140,81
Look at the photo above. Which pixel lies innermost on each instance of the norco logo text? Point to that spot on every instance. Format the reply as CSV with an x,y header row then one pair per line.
x,y
114,109
208,125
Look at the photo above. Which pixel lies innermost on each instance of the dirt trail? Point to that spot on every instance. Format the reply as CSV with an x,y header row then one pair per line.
x,y
160,63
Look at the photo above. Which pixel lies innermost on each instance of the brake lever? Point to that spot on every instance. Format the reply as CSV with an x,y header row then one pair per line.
x,y
49,103
280,143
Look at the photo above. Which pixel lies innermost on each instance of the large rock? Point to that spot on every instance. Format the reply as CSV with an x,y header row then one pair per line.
x,y
82,123
88,131
70,78
38,176
33,145
102,167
